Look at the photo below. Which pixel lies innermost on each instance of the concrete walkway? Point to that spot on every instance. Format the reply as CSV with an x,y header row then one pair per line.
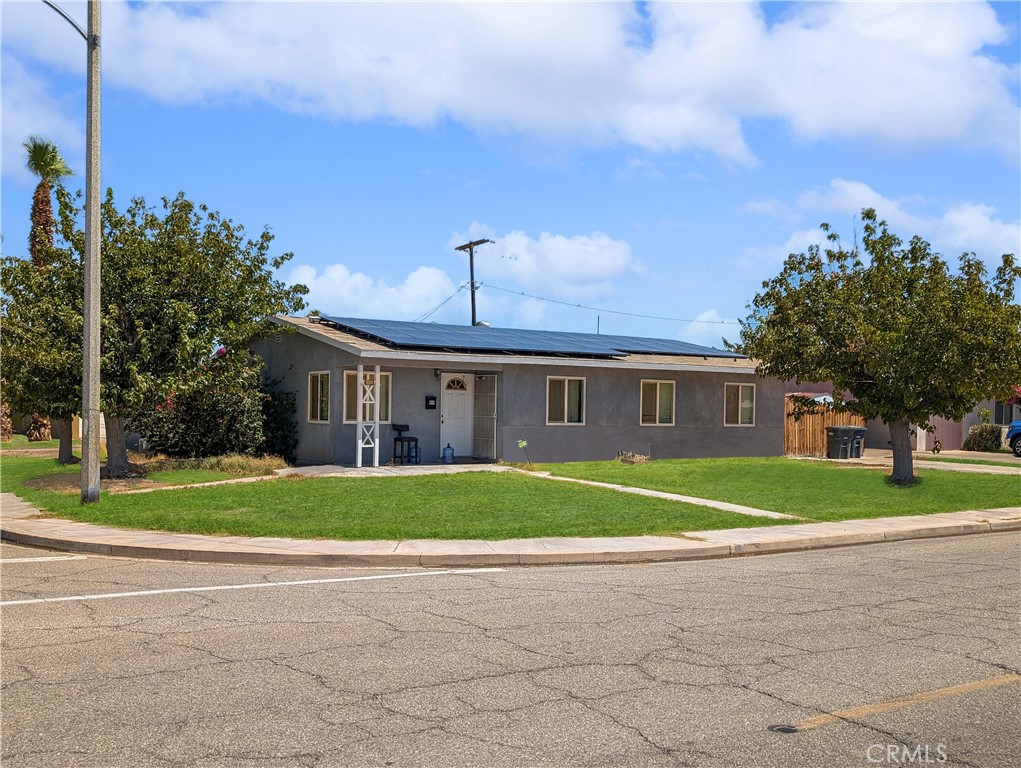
x,y
21,523
724,505
1004,463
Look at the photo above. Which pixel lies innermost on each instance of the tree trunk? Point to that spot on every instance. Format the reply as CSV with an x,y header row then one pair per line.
x,y
116,447
62,432
900,439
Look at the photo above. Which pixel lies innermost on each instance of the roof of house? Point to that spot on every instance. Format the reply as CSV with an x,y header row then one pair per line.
x,y
452,343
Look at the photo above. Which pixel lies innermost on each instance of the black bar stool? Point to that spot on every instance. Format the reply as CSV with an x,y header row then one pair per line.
x,y
405,446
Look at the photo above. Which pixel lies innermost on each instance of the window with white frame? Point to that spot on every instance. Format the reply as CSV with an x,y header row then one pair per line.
x,y
565,400
319,397
739,405
657,403
352,397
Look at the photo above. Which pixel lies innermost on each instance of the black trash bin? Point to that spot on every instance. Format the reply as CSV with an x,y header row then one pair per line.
x,y
840,442
858,442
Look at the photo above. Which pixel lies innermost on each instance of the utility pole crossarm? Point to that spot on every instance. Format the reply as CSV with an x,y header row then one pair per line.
x,y
470,247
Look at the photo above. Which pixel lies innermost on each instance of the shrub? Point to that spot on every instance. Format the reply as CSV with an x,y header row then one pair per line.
x,y
231,410
39,429
279,427
984,437
6,425
221,412
232,463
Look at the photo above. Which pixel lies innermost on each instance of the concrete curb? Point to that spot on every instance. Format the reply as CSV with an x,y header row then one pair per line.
x,y
22,524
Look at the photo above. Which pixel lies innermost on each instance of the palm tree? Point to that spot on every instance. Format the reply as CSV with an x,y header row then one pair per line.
x,y
44,160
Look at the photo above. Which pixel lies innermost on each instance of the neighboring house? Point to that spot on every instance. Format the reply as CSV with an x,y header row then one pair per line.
x,y
481,390
951,434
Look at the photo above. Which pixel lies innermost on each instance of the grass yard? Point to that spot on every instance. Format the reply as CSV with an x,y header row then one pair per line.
x,y
21,443
1008,460
189,476
472,505
810,489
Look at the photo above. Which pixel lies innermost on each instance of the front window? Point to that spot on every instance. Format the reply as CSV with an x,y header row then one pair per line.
x,y
657,403
319,397
565,400
352,398
739,405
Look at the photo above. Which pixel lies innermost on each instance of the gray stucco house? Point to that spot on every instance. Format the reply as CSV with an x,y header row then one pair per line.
x,y
571,396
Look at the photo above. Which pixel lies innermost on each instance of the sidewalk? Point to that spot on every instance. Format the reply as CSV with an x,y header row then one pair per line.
x,y
20,523
1005,463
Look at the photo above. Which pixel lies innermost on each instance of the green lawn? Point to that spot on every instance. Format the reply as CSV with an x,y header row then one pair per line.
x,y
190,476
471,505
815,490
1008,460
21,443
486,505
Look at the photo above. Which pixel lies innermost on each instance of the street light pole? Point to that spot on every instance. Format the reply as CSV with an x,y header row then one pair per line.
x,y
93,239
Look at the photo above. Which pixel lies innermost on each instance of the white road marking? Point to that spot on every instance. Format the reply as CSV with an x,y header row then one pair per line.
x,y
257,585
40,559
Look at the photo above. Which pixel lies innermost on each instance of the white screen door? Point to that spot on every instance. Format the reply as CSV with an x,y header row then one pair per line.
x,y
456,412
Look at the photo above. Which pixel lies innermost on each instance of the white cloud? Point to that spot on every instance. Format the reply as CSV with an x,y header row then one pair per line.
x,y
771,207
336,290
773,255
964,226
532,313
686,78
558,266
708,329
907,74
551,266
29,108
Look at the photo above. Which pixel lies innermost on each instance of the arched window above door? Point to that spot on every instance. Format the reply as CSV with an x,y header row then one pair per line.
x,y
456,384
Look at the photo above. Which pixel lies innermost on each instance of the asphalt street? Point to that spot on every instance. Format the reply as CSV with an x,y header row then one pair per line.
x,y
889,654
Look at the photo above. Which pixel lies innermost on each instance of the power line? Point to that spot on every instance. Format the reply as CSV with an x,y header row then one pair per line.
x,y
423,317
609,311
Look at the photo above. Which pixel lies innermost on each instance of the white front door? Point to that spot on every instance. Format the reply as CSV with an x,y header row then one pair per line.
x,y
456,412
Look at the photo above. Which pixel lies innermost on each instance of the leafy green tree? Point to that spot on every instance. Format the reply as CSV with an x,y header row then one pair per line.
x,y
892,325
44,160
177,282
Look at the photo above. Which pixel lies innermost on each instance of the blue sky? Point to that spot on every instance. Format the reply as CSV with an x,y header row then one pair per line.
x,y
652,159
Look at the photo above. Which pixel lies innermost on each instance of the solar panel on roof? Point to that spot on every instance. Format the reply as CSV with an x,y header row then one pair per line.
x,y
404,334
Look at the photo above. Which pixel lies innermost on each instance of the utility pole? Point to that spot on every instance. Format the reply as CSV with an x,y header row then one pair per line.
x,y
470,247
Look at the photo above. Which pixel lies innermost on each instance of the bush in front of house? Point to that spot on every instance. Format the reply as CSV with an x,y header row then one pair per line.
x,y
279,428
208,421
984,437
232,411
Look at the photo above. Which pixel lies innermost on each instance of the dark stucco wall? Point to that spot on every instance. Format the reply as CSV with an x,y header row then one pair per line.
x,y
410,386
612,417
611,413
290,357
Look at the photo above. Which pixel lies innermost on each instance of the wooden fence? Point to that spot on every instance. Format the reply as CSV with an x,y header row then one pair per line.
x,y
807,436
